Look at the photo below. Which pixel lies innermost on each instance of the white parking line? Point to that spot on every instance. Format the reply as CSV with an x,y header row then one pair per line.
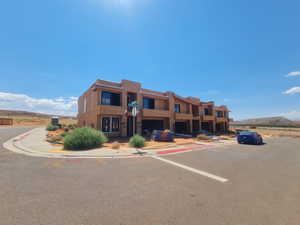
x,y
200,172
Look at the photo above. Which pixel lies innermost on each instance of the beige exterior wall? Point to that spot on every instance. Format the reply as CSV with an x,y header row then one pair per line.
x,y
91,112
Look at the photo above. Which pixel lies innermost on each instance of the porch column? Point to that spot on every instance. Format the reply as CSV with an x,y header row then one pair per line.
x,y
214,126
191,126
123,126
138,125
171,111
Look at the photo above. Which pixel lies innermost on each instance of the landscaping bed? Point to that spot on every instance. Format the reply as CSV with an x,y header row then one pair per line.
x,y
58,136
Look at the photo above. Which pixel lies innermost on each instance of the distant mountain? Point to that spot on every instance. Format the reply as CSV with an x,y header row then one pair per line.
x,y
13,113
267,121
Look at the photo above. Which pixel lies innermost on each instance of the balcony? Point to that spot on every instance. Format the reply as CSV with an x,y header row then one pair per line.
x,y
155,113
110,110
221,119
196,115
183,116
208,117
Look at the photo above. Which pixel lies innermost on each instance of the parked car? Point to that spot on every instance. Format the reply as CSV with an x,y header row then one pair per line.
x,y
247,137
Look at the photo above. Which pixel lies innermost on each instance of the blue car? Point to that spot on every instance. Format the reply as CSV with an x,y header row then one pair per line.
x,y
247,137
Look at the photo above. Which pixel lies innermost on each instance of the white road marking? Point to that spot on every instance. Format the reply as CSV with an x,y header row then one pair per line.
x,y
200,172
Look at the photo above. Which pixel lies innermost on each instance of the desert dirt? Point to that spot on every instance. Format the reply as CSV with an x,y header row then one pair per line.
x,y
20,121
275,132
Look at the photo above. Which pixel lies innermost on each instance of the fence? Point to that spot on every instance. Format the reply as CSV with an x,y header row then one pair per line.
x,y
6,121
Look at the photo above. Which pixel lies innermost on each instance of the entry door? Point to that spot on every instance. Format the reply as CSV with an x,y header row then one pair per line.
x,y
129,126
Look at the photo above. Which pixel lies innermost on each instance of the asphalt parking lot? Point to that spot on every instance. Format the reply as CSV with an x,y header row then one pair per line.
x,y
262,187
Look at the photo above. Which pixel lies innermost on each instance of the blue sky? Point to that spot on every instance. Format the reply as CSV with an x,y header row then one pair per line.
x,y
237,53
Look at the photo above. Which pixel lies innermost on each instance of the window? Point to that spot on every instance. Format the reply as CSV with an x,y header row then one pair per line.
x,y
110,124
219,114
115,124
108,98
177,108
148,103
206,111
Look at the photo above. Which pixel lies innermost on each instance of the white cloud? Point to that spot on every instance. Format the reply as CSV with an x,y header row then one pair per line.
x,y
58,106
293,74
292,115
292,91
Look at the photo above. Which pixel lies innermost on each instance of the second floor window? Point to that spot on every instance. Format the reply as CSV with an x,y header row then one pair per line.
x,y
108,98
177,108
207,112
148,103
219,114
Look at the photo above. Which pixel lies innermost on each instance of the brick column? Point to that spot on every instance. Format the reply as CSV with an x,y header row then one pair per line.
x,y
123,121
191,126
171,111
139,99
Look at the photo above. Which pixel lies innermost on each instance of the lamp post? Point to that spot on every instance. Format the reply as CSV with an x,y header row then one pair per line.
x,y
134,105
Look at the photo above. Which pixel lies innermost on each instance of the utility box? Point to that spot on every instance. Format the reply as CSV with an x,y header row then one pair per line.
x,y
55,121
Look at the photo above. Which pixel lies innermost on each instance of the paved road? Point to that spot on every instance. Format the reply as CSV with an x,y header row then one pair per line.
x,y
263,188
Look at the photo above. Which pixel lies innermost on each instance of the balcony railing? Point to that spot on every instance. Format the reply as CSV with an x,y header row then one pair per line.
x,y
208,117
110,110
183,116
221,119
155,113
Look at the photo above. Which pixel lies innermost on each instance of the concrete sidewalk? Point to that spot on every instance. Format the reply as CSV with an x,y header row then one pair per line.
x,y
34,143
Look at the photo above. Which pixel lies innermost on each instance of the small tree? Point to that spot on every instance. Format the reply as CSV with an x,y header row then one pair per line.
x,y
137,142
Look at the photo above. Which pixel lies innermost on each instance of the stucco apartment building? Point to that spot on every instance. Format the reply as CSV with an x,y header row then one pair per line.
x,y
104,106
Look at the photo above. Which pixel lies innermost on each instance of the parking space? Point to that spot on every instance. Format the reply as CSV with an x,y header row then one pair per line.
x,y
278,154
262,188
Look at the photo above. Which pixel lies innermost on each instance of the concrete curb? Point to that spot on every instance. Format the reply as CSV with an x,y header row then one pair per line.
x,y
15,145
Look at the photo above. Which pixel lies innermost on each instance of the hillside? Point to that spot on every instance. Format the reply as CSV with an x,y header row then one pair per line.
x,y
267,121
24,118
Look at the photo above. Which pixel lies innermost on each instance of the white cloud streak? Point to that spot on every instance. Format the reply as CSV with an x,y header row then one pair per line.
x,y
292,91
293,74
59,106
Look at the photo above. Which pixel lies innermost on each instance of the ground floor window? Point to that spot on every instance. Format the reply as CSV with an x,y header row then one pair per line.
x,y
115,121
110,124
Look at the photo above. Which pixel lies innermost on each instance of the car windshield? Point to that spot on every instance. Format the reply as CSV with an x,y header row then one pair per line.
x,y
247,133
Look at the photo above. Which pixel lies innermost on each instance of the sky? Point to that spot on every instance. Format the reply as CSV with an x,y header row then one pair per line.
x,y
244,54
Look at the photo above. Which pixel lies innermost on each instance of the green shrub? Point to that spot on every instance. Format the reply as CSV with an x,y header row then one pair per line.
x,y
84,138
72,126
137,141
51,127
64,134
66,129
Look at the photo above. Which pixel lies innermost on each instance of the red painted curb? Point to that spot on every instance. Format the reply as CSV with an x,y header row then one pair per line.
x,y
179,150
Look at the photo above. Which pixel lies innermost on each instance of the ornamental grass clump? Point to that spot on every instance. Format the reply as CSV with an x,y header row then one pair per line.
x,y
84,138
